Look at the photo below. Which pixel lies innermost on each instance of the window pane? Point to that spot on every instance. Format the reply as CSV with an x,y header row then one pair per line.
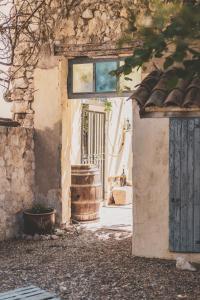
x,y
129,85
104,81
83,78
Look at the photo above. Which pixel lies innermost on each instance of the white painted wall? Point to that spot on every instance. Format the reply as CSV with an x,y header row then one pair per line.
x,y
119,151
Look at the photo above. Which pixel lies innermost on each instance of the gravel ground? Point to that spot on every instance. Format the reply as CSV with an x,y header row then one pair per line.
x,y
93,265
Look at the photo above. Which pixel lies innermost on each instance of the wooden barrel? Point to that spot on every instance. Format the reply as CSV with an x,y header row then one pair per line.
x,y
86,192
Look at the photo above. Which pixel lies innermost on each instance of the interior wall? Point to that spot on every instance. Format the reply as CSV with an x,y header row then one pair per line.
x,y
151,188
76,110
118,140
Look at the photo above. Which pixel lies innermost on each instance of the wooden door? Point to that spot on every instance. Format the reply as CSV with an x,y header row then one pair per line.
x,y
184,185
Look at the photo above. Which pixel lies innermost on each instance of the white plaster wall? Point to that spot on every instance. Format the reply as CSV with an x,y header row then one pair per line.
x,y
119,150
66,144
151,188
48,130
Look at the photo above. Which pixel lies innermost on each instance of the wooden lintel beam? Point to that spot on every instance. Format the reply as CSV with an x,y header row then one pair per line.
x,y
92,50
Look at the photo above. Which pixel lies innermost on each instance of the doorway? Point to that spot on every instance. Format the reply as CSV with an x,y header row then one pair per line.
x,y
103,138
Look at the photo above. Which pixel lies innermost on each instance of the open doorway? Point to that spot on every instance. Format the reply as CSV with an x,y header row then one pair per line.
x,y
104,139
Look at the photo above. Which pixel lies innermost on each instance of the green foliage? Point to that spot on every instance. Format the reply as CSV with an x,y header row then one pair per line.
x,y
168,30
107,106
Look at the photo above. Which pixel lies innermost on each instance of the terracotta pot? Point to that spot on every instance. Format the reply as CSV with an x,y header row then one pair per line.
x,y
42,223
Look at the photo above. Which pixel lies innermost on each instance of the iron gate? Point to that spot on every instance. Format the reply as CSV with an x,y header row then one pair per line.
x,y
93,140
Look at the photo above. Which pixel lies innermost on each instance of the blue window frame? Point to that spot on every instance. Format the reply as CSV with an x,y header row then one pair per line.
x,y
89,78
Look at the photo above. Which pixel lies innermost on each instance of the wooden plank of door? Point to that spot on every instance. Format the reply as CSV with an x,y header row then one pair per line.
x,y
177,186
191,164
197,185
171,182
184,184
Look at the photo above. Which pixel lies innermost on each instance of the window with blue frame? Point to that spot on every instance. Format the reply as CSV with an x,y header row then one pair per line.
x,y
91,78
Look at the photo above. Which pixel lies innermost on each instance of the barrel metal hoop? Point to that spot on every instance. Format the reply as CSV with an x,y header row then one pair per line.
x,y
86,202
84,173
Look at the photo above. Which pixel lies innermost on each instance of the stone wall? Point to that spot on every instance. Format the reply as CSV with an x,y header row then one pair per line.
x,y
16,178
93,22
84,28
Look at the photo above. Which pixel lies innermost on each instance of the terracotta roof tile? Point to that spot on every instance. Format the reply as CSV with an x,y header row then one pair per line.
x,y
154,91
143,93
192,95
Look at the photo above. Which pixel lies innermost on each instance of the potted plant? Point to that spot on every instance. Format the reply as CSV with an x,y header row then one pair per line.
x,y
39,219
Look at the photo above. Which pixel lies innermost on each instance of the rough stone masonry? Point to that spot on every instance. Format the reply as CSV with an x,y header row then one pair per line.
x,y
16,178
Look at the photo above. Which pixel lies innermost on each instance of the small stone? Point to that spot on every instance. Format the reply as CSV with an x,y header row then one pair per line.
x,y
59,232
62,288
54,237
28,97
20,83
20,106
17,94
44,237
106,39
183,264
36,237
124,13
87,14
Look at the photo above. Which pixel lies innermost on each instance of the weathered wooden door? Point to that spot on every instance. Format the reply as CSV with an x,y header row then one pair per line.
x,y
185,185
